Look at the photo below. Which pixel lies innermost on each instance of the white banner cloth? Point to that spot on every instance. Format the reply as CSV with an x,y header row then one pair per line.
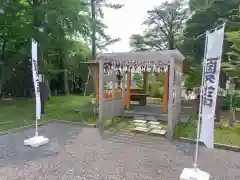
x,y
211,71
36,79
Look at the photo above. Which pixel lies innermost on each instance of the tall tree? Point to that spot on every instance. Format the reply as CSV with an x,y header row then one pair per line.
x,y
232,65
210,17
163,27
98,28
70,20
196,5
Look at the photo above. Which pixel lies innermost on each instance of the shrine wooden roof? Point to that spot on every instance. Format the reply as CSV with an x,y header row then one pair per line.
x,y
163,57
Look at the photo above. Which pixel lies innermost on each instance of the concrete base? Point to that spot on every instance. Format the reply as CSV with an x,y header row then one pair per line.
x,y
36,141
194,174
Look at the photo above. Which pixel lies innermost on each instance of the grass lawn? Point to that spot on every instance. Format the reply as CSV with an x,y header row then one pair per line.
x,y
17,113
223,135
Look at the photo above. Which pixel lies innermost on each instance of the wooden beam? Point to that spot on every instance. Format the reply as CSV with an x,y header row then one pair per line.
x,y
96,69
127,97
145,81
101,96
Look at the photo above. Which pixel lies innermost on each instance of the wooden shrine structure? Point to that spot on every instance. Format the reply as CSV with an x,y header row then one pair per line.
x,y
116,69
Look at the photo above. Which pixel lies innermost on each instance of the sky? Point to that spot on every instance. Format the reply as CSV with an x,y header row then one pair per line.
x,y
126,21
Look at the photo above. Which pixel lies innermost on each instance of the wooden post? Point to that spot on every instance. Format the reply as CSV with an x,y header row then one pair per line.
x,y
169,98
97,83
101,95
165,92
128,96
145,78
123,93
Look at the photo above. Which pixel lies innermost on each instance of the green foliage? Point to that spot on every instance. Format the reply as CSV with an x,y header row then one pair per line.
x,y
67,30
193,75
138,78
155,89
196,5
208,16
99,39
232,65
225,101
219,12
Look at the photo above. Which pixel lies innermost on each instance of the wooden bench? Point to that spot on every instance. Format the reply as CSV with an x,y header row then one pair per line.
x,y
138,95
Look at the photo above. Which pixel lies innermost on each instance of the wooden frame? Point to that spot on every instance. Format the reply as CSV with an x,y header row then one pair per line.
x,y
170,62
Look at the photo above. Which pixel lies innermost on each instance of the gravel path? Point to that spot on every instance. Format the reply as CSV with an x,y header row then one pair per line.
x,y
76,153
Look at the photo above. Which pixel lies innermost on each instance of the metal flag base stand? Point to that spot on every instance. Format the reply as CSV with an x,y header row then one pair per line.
x,y
36,141
194,174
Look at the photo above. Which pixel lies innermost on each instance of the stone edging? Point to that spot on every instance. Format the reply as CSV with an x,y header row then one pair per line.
x,y
14,130
216,145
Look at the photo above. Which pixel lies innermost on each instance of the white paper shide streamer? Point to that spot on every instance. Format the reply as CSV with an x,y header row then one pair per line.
x,y
211,72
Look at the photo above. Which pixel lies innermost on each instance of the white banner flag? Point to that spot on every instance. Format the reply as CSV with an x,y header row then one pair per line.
x,y
211,71
36,79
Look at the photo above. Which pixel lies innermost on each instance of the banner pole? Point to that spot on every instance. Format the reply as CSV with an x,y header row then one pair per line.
x,y
36,129
200,105
37,140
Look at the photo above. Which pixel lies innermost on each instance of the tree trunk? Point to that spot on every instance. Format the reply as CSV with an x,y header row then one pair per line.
x,y
1,86
197,104
231,117
66,88
218,110
48,87
2,65
93,11
65,72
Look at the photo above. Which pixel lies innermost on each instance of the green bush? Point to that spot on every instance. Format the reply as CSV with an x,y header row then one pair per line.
x,y
236,101
225,101
155,89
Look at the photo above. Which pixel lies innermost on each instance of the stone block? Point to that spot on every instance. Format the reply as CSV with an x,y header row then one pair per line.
x,y
139,121
140,124
157,127
158,132
154,123
141,129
